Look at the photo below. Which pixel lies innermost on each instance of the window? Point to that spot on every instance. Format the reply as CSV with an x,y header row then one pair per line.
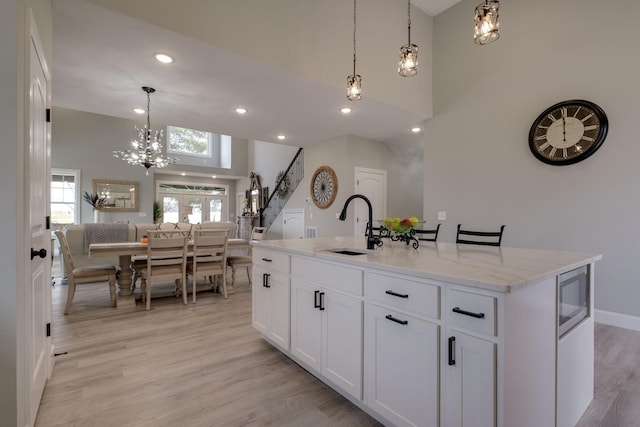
x,y
199,148
65,196
189,141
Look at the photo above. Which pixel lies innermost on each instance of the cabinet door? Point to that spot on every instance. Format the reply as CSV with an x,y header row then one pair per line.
x,y
401,367
470,382
279,293
261,301
306,322
270,314
342,341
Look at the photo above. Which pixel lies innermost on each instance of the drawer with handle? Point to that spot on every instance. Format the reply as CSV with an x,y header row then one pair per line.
x,y
274,261
472,311
411,295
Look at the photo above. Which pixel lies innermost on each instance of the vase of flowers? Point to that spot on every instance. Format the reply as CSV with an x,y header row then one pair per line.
x,y
96,201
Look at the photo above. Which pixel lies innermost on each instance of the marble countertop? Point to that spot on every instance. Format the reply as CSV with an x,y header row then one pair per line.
x,y
500,269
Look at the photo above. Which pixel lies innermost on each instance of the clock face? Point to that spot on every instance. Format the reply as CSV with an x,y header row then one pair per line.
x,y
324,186
568,132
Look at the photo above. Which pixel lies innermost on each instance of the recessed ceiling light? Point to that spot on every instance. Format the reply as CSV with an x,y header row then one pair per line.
x,y
183,173
416,129
164,58
139,110
345,110
281,137
213,176
241,110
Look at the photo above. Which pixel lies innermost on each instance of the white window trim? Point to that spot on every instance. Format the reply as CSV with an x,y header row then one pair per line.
x,y
76,176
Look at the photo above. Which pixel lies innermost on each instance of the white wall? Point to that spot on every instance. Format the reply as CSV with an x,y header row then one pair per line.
x,y
86,141
478,166
343,154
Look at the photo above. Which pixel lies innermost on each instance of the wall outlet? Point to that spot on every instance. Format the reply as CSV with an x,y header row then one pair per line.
x,y
442,215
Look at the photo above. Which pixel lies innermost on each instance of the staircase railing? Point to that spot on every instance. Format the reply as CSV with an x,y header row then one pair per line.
x,y
285,187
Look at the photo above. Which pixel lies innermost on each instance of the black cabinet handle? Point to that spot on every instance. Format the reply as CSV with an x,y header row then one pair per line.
x,y
267,259
452,351
321,301
41,253
393,319
468,313
395,294
316,301
265,280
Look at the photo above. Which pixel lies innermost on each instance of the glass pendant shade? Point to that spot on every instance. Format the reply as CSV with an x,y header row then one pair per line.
x,y
147,147
408,63
354,87
486,22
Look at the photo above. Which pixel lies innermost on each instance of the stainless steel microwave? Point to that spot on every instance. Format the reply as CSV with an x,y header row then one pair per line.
x,y
573,298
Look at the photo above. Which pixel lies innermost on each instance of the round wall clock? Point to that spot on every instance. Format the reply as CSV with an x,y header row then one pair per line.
x,y
568,132
324,187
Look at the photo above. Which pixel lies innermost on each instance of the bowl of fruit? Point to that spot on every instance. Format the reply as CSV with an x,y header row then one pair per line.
x,y
401,226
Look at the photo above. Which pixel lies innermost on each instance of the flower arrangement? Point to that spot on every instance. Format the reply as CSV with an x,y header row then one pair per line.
x,y
401,225
94,199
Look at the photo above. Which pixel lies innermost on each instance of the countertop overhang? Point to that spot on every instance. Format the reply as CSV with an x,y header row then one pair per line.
x,y
500,269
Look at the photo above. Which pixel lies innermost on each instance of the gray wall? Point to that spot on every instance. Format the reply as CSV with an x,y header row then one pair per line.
x,y
343,154
478,166
86,141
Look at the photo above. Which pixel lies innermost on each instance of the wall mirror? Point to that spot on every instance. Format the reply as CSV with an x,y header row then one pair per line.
x,y
120,196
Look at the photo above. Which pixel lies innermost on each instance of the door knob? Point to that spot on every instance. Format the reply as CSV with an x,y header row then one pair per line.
x,y
41,253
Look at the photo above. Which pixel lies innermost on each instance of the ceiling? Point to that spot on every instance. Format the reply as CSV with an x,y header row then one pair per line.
x,y
95,64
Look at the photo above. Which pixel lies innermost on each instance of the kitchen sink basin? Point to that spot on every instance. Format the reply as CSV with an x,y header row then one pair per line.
x,y
348,251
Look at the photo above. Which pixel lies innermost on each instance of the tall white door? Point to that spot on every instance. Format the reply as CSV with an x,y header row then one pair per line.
x,y
37,309
371,183
293,223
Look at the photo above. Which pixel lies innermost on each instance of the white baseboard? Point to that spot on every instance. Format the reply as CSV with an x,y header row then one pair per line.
x,y
616,319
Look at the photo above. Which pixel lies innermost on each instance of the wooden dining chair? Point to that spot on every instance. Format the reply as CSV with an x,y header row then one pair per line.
x,y
428,235
166,260
209,257
245,261
79,275
485,238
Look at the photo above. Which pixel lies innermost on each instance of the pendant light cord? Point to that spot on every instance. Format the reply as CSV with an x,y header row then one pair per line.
x,y
409,21
354,37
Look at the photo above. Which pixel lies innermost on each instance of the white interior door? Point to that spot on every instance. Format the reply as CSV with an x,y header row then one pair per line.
x,y
38,355
371,183
293,227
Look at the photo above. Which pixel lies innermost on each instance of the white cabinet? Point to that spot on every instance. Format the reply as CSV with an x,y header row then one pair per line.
x,y
326,325
270,297
470,376
401,367
402,349
471,381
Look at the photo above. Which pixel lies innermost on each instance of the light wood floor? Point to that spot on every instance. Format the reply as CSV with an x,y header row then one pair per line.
x,y
204,365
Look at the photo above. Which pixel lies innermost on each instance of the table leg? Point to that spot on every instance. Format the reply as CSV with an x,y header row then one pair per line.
x,y
125,293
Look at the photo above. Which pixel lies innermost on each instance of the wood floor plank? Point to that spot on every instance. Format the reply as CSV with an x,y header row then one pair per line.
x,y
196,365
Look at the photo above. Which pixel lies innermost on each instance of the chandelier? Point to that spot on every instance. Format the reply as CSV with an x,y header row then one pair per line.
x,y
408,63
146,151
486,22
354,81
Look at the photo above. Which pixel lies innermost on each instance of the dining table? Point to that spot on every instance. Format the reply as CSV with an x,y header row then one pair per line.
x,y
125,250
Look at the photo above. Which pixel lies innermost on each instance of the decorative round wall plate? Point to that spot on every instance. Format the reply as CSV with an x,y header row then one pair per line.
x,y
324,187
568,132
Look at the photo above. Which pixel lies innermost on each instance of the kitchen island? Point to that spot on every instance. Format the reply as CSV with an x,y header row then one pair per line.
x,y
445,335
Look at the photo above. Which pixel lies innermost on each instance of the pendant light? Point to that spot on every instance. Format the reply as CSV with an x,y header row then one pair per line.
x,y
145,152
486,22
408,63
354,81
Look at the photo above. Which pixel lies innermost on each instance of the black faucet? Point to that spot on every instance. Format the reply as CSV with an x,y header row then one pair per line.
x,y
372,240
